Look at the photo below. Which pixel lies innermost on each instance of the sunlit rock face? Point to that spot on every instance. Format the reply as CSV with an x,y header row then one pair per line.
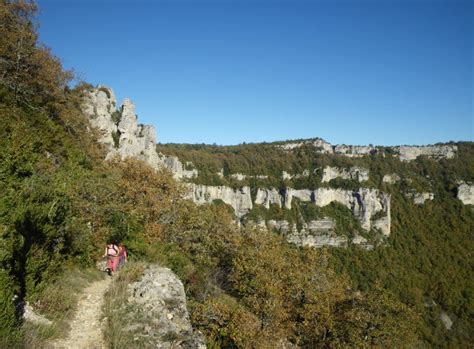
x,y
123,136
354,173
158,309
267,197
364,203
466,193
239,199
408,153
391,178
420,198
314,233
99,105
405,153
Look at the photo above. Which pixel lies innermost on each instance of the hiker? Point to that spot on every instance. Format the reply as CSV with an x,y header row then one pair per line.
x,y
112,254
122,255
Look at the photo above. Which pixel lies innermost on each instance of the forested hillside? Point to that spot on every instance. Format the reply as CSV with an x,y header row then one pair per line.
x,y
246,287
426,261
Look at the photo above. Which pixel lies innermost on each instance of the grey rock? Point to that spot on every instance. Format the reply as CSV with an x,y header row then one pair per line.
x,y
98,105
391,178
134,140
160,299
364,203
239,199
267,197
409,153
405,153
176,167
419,198
30,315
466,193
354,173
446,320
354,151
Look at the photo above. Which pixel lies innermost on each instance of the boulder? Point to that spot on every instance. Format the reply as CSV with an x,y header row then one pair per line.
x,y
160,300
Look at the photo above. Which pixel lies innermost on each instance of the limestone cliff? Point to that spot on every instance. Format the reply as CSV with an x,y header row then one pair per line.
x,y
408,153
405,153
239,199
364,203
123,136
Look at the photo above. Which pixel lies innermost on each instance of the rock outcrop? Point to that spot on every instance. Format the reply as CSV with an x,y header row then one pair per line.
x,y
364,203
408,153
391,178
405,153
354,151
30,315
466,193
446,320
285,175
99,105
267,197
123,136
177,168
241,176
354,173
239,199
160,300
316,233
420,198
321,146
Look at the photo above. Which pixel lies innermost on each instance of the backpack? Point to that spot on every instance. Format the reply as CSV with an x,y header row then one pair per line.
x,y
112,250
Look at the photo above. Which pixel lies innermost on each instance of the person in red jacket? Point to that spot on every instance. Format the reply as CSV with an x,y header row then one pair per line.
x,y
122,255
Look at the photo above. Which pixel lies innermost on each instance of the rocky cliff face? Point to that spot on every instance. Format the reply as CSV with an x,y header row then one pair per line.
x,y
123,136
364,203
354,173
405,153
159,302
434,151
239,199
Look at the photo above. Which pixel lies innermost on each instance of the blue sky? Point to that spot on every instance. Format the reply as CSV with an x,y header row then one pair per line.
x,y
383,72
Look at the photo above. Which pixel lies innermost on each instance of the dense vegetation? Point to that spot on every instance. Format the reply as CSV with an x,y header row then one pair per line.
x,y
61,202
426,262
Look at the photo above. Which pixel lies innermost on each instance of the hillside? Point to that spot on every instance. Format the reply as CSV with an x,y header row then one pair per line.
x,y
423,255
240,226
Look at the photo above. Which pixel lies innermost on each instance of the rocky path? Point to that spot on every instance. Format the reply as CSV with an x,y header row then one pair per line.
x,y
85,326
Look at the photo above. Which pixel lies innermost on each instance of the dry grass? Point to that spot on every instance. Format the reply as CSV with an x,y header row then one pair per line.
x,y
58,303
116,311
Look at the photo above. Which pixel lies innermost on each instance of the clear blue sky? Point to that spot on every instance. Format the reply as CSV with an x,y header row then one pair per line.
x,y
355,72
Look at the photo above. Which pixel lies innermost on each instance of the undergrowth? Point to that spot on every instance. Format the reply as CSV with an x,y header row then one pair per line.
x,y
58,303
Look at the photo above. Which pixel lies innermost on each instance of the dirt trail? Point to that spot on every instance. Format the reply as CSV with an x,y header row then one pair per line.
x,y
85,326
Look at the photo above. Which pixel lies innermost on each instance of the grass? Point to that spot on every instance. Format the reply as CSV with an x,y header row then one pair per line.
x,y
58,303
116,309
